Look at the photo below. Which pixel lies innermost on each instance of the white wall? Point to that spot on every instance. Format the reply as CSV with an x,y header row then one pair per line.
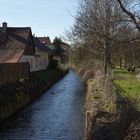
x,y
37,63
43,60
31,60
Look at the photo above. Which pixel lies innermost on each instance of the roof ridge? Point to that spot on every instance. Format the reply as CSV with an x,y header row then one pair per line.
x,y
19,28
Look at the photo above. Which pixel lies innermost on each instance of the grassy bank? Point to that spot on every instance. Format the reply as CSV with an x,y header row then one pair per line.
x,y
103,111
111,109
99,97
99,107
128,85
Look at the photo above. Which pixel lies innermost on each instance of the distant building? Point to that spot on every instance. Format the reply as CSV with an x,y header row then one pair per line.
x,y
67,48
64,51
43,53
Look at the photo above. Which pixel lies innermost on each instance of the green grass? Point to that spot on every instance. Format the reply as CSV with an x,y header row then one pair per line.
x,y
127,82
99,97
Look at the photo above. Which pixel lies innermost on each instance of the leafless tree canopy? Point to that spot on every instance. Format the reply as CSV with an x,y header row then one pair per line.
x,y
104,29
134,16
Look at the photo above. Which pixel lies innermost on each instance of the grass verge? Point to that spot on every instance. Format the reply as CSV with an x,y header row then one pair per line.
x,y
128,85
99,97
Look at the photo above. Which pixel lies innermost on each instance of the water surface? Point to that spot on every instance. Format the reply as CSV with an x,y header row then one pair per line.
x,y
56,115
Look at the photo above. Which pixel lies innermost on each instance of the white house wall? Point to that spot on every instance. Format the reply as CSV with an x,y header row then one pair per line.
x,y
37,63
43,60
31,60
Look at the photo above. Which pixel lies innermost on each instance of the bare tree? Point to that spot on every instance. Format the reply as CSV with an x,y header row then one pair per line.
x,y
96,26
102,31
135,18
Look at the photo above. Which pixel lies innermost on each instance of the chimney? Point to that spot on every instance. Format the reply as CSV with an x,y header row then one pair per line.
x,y
4,25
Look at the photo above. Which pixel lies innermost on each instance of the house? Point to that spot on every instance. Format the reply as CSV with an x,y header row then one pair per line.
x,y
67,48
17,45
45,40
67,51
61,50
43,53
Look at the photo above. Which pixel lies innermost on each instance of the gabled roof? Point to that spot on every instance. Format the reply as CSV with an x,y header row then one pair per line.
x,y
45,40
13,43
41,45
14,37
10,56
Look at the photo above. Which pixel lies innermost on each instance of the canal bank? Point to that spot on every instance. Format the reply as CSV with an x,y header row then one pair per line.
x,y
57,114
14,96
109,116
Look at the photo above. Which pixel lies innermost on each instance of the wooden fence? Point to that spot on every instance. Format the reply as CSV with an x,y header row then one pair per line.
x,y
11,72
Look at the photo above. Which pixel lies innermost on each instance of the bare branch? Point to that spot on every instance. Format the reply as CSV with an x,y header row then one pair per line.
x,y
130,14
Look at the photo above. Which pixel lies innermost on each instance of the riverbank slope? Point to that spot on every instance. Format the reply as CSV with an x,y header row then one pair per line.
x,y
109,115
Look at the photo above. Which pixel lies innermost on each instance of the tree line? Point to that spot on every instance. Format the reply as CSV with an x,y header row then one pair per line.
x,y
108,31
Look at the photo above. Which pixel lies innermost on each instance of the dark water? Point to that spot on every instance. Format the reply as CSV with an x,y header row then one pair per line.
x,y
57,115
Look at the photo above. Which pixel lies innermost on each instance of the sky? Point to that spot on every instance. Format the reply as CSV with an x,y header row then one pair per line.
x,y
45,17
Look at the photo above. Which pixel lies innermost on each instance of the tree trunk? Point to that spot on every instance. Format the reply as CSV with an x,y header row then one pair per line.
x,y
107,58
120,56
120,62
125,64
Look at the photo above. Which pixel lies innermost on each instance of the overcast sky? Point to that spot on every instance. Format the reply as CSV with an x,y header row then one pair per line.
x,y
46,17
